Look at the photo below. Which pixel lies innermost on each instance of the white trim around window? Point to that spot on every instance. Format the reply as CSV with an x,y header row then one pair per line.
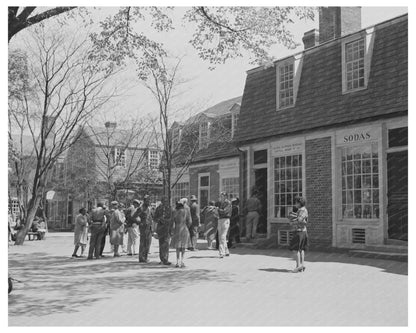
x,y
204,143
367,38
292,68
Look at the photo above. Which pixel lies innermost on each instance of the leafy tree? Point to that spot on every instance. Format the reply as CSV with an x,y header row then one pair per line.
x,y
220,33
23,17
68,87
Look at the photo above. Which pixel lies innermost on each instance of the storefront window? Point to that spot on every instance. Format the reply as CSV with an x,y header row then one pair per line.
x,y
360,185
287,183
231,186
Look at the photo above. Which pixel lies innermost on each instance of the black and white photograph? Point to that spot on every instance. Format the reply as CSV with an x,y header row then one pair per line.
x,y
218,165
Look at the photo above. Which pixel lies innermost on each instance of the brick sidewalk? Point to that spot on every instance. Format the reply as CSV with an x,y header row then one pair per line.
x,y
252,287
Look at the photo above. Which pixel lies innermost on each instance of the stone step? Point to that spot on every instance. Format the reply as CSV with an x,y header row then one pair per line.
x,y
388,248
379,255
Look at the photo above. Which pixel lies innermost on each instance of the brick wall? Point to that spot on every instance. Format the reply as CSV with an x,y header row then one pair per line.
x,y
319,191
214,180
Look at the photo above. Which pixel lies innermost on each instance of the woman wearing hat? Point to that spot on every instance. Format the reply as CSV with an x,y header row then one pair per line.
x,y
299,242
116,227
180,238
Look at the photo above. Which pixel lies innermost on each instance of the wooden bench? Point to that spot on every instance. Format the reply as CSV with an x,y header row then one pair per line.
x,y
33,235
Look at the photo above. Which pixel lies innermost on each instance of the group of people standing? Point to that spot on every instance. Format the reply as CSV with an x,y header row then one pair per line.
x,y
134,222
178,228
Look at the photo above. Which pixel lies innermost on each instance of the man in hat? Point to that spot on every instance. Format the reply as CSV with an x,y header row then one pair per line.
x,y
193,229
97,228
116,227
132,225
145,227
163,218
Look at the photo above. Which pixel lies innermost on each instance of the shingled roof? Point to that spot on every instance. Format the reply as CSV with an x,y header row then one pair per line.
x,y
218,110
215,151
320,102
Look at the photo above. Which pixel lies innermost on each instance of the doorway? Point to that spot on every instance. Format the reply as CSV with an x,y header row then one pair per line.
x,y
260,183
397,195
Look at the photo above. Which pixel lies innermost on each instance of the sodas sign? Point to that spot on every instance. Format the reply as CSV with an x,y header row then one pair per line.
x,y
357,137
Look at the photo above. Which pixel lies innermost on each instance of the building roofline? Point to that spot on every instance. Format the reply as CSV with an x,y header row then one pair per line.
x,y
332,41
339,125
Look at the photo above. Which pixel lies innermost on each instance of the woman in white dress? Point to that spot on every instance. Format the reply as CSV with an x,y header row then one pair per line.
x,y
80,232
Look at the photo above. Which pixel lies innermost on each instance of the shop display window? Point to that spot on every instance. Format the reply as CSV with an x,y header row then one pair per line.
x,y
360,182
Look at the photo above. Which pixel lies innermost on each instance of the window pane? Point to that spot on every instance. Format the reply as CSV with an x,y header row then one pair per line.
x,y
204,181
375,197
367,213
357,182
367,196
357,197
357,211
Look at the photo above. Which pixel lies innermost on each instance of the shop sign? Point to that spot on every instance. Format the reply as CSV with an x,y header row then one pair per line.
x,y
287,148
358,135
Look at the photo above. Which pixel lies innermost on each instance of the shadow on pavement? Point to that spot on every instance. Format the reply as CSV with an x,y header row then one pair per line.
x,y
204,257
388,266
54,284
275,270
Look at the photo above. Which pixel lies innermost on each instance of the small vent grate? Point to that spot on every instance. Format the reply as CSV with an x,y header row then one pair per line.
x,y
358,236
285,237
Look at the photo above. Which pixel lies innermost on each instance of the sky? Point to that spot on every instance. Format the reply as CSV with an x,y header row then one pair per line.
x,y
204,87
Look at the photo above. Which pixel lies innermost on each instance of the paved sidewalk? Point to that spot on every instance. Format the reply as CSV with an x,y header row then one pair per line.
x,y
249,288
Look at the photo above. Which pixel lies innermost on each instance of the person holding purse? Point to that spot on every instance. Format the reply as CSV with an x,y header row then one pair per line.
x,y
299,242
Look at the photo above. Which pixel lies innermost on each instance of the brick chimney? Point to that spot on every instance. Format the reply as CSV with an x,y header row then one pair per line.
x,y
110,124
335,22
310,38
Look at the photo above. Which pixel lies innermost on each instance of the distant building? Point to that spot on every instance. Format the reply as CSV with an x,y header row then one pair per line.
x,y
105,163
214,166
330,123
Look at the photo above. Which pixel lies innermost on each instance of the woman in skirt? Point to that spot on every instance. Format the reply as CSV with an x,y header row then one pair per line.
x,y
299,242
80,232
180,238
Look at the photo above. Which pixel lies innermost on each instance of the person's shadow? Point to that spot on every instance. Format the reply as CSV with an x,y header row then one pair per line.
x,y
275,270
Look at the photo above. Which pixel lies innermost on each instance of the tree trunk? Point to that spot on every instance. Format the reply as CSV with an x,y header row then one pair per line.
x,y
31,212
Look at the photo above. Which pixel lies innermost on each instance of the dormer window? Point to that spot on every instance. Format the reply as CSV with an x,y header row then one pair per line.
x,y
357,52
286,85
176,138
288,74
354,64
234,121
203,135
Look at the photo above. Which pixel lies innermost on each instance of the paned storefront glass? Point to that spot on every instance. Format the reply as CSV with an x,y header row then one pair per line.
x,y
287,183
360,182
231,186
